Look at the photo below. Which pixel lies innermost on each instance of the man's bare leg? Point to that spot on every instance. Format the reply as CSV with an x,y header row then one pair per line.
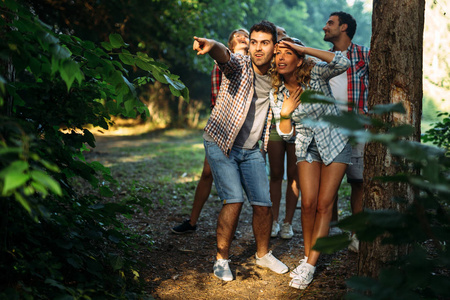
x,y
262,225
226,227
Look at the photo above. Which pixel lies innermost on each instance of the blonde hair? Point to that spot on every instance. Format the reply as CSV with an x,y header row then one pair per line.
x,y
302,73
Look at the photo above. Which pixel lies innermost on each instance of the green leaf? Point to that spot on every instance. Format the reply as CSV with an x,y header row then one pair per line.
x,y
13,5
130,86
70,71
332,244
185,94
88,45
127,58
174,91
402,130
14,180
55,283
46,40
388,108
158,74
93,60
50,166
116,261
106,191
310,96
17,166
175,83
75,261
361,283
47,181
107,46
60,52
40,188
144,65
25,204
129,106
350,122
90,139
116,41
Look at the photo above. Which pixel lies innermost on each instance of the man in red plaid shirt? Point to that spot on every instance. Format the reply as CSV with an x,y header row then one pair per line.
x,y
351,87
240,118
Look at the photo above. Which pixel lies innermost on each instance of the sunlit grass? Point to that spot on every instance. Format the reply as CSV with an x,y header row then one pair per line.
x,y
159,168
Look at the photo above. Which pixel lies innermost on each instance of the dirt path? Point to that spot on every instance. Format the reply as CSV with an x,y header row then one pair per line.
x,y
180,266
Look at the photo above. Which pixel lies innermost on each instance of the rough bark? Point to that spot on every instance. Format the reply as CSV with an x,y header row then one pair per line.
x,y
395,76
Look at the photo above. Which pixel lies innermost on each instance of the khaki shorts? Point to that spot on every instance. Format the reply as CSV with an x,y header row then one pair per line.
x,y
274,137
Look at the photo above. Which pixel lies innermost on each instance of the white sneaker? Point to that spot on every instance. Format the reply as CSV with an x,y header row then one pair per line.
x,y
304,278
296,271
334,231
286,231
354,244
275,229
271,262
222,270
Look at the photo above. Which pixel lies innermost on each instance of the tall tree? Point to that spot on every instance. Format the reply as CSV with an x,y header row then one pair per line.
x,y
395,77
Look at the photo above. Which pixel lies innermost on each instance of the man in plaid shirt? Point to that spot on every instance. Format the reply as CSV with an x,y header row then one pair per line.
x,y
238,42
352,87
240,118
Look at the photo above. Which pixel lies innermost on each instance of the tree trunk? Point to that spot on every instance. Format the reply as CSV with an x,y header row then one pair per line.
x,y
395,76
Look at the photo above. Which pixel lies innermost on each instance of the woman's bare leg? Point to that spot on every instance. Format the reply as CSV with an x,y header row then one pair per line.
x,y
309,175
330,179
201,192
292,189
276,150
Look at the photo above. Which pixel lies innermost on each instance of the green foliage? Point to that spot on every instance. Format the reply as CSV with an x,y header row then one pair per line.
x,y
57,244
164,30
429,109
424,223
440,133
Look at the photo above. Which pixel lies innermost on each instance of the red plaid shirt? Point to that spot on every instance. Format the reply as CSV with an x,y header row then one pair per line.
x,y
358,78
216,79
233,103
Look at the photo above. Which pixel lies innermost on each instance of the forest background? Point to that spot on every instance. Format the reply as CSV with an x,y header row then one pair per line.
x,y
164,30
68,64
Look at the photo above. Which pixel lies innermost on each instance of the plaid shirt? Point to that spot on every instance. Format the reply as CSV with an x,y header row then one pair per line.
x,y
233,103
358,78
216,79
329,139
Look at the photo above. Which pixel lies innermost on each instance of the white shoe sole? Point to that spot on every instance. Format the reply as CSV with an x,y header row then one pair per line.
x,y
298,286
224,279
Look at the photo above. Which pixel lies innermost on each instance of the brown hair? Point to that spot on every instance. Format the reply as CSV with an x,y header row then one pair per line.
x,y
302,73
267,27
231,37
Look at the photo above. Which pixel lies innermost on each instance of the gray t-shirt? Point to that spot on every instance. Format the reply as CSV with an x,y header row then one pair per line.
x,y
251,131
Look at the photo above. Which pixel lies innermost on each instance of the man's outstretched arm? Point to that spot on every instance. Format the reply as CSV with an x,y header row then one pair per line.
x,y
216,50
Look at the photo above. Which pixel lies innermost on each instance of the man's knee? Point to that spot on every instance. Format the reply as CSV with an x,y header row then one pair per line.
x,y
262,211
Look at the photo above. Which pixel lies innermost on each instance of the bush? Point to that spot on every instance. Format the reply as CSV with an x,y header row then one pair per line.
x,y
57,244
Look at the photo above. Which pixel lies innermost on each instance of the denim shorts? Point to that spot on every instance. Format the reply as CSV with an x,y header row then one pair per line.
x,y
313,153
244,168
355,170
